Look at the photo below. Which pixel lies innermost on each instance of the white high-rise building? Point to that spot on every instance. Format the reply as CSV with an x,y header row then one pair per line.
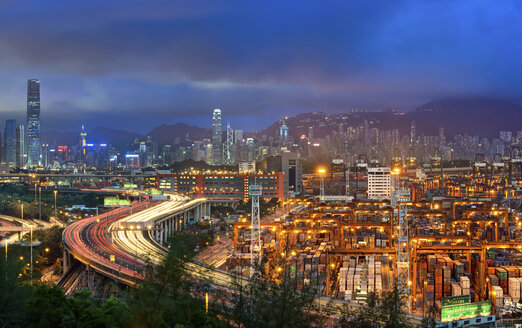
x,y
379,183
217,146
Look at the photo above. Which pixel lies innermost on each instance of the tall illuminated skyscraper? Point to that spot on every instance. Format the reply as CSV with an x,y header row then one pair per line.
x,y
33,122
217,147
83,143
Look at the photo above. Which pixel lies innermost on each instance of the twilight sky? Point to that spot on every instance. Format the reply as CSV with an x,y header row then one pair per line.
x,y
136,64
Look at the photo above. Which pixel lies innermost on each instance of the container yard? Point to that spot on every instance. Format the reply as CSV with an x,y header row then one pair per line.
x,y
459,249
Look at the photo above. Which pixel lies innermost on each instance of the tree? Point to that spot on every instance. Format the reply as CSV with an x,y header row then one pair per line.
x,y
164,298
367,316
270,299
431,319
47,307
14,295
379,311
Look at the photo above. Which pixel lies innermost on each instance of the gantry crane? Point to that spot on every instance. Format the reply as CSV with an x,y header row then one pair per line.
x,y
255,191
400,198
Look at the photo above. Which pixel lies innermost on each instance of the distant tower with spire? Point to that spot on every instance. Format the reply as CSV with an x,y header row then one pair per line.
x,y
83,143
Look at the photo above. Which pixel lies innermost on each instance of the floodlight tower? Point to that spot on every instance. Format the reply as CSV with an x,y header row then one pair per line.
x,y
321,187
400,198
255,190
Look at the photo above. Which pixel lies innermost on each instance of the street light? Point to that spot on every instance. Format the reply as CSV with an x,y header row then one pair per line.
x,y
55,193
40,204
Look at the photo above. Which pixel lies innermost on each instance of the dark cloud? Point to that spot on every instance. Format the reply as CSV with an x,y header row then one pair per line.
x,y
153,61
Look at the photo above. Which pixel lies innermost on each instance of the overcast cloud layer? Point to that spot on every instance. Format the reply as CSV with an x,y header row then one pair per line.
x,y
137,64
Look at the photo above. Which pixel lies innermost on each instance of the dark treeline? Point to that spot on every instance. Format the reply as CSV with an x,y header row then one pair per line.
x,y
169,297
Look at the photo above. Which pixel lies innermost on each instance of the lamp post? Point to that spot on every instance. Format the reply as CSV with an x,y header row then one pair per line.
x,y
22,214
40,204
31,255
55,193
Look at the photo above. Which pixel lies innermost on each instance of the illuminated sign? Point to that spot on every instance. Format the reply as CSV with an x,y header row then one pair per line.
x,y
130,185
465,311
453,300
113,201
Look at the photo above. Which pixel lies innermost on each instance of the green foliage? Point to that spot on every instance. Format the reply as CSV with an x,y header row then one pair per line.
x,y
379,311
270,299
13,293
265,207
164,298
51,248
12,195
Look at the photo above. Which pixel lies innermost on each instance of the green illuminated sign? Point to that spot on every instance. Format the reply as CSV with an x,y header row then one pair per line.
x,y
453,300
113,201
152,191
465,311
130,185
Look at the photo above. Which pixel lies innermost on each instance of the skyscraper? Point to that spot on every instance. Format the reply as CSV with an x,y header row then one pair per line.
x,y
21,144
83,144
33,122
10,142
227,146
283,134
217,147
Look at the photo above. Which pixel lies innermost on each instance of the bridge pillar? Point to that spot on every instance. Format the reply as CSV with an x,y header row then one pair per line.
x,y
65,261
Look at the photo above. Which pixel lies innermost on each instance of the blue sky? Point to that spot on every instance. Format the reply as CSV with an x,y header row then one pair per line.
x,y
137,64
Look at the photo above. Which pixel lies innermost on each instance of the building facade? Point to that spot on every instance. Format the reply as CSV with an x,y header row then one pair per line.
x,y
228,186
379,183
10,142
33,122
217,145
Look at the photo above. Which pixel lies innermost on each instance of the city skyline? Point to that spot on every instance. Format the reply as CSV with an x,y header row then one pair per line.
x,y
257,65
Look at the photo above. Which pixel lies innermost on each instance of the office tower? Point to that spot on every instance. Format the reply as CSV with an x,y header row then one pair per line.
x,y
291,165
283,133
238,136
45,155
379,183
33,122
227,146
442,137
412,132
10,142
506,136
83,144
217,147
250,146
20,146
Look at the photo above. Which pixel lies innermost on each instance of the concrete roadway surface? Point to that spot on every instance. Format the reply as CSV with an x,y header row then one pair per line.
x,y
25,225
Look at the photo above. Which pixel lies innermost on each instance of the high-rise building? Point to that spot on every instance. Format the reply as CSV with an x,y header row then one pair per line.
x,y
412,133
250,147
20,145
506,136
83,144
227,146
379,183
291,165
217,147
238,136
283,134
10,142
33,122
